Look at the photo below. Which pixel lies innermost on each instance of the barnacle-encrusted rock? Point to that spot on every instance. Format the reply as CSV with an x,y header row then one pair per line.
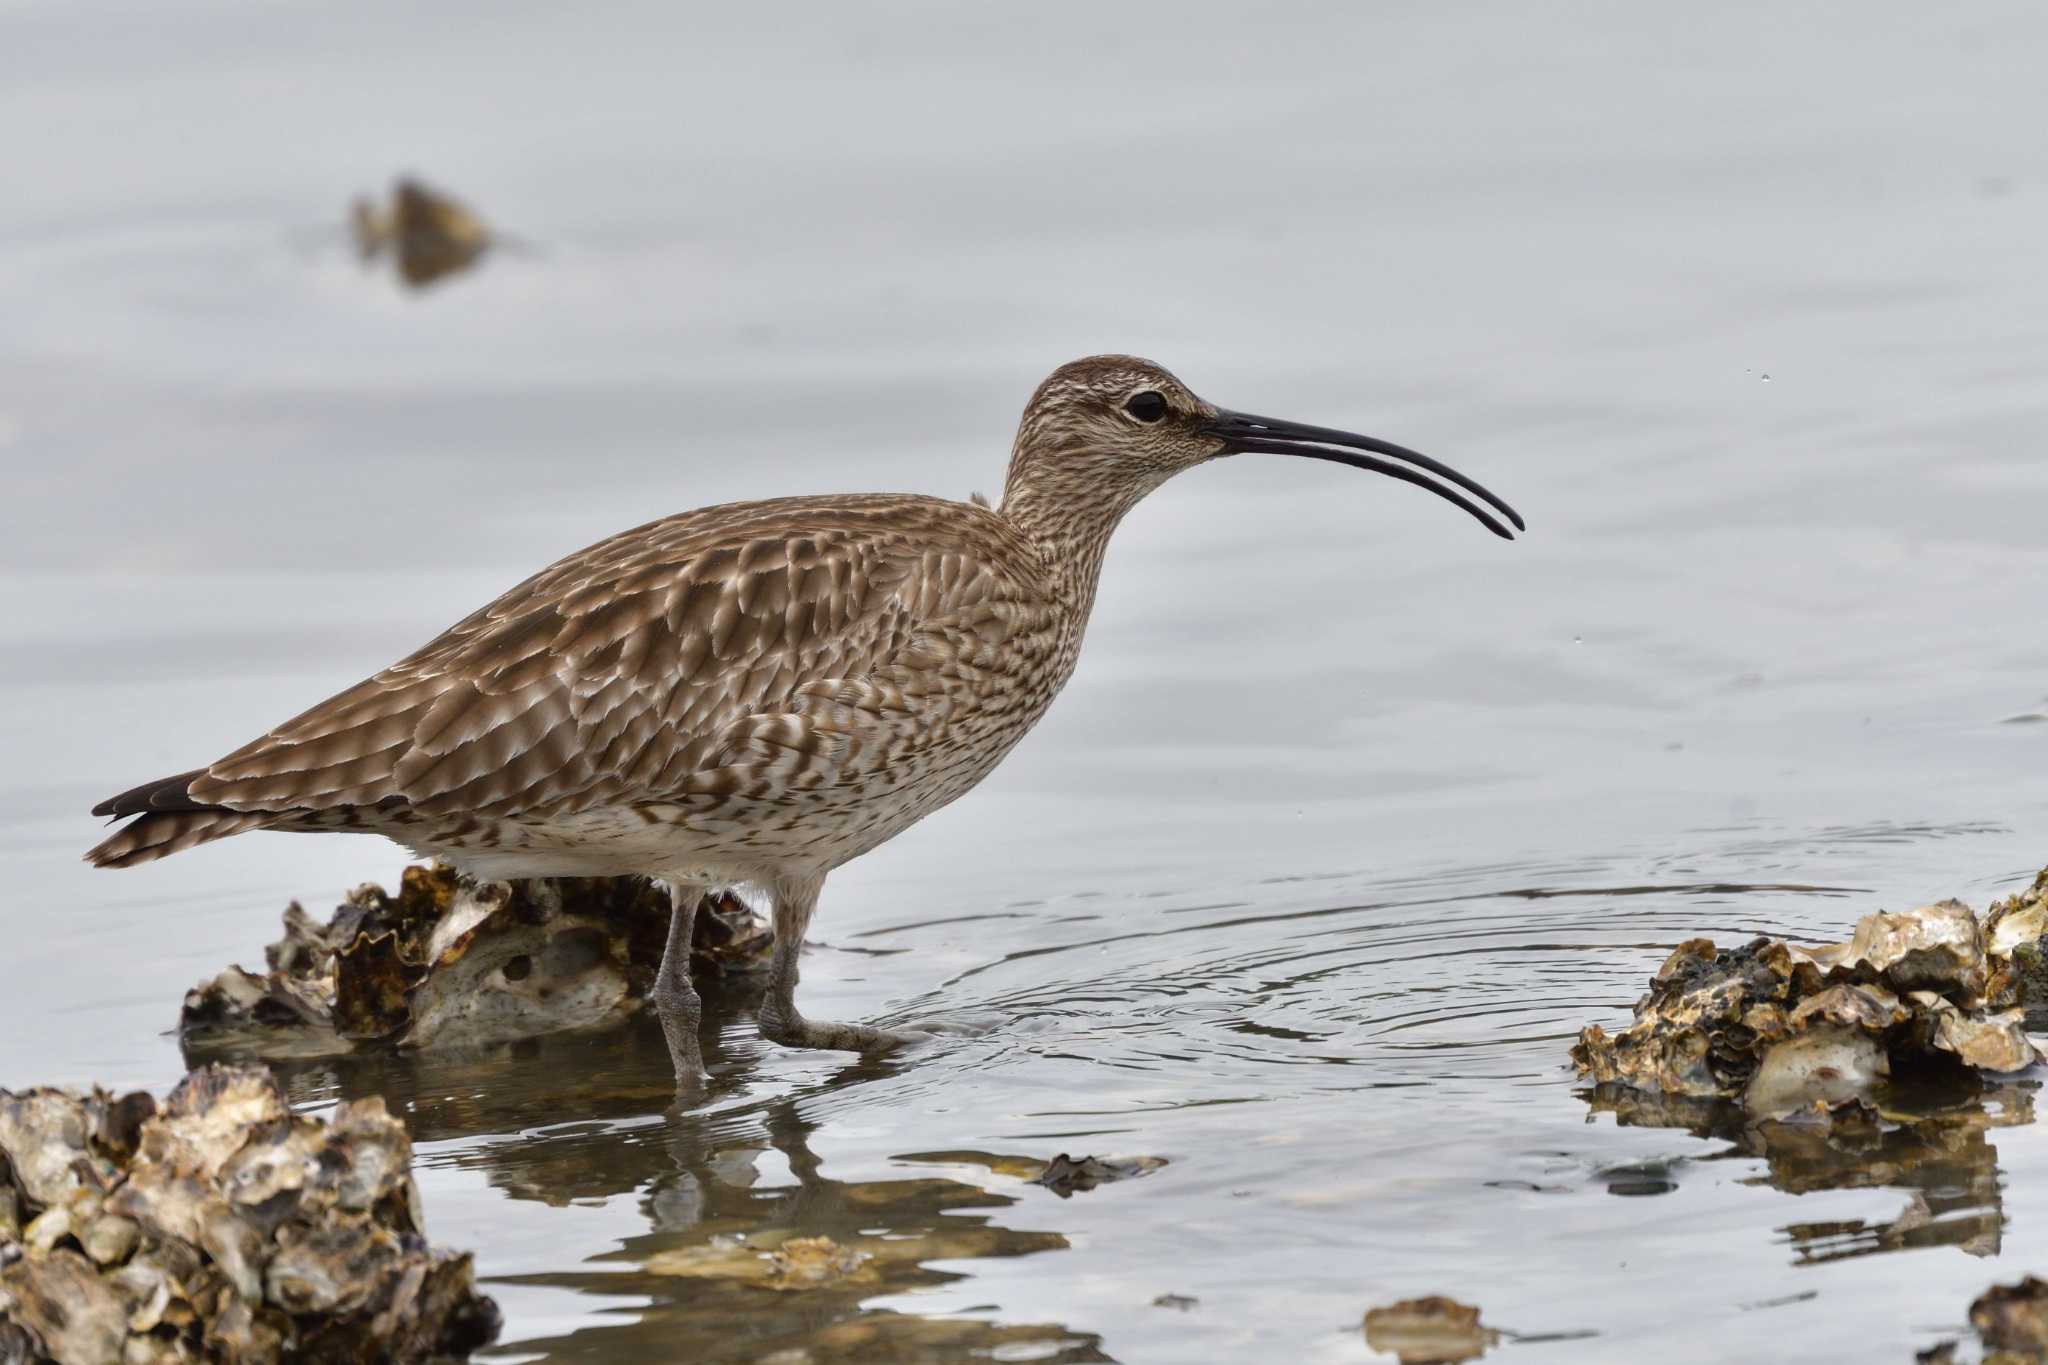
x,y
2014,929
1699,1029
1785,1028
451,961
221,1227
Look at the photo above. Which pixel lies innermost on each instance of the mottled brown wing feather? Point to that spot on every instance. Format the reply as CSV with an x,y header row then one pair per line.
x,y
622,672
937,703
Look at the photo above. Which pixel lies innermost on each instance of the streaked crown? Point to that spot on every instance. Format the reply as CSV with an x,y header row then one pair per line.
x,y
1107,429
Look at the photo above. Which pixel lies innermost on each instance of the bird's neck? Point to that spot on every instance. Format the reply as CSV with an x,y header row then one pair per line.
x,y
1069,521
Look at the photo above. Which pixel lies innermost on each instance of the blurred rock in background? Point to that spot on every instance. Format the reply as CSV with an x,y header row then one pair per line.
x,y
428,235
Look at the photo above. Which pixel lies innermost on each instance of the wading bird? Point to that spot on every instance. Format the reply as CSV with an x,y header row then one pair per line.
x,y
749,694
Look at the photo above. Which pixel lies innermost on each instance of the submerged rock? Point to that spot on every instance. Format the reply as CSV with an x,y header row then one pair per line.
x,y
1784,1029
1428,1331
805,1262
855,1264
795,1263
1067,1176
1064,1175
446,960
220,1227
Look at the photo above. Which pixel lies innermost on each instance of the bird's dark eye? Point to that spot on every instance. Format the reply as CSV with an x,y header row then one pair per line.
x,y
1146,407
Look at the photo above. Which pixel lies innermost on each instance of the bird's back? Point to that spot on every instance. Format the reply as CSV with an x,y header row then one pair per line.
x,y
751,647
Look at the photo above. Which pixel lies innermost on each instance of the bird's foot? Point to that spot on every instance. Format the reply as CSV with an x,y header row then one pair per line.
x,y
681,1012
963,1024
791,1029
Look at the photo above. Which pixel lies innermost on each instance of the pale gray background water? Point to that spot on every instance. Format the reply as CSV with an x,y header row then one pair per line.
x,y
1743,306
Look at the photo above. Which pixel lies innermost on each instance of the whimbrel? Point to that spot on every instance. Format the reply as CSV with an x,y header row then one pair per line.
x,y
749,694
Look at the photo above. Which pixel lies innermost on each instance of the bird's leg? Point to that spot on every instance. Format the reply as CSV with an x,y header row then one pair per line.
x,y
675,1000
795,900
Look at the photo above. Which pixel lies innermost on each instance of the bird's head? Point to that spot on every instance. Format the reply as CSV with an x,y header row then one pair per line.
x,y
1109,429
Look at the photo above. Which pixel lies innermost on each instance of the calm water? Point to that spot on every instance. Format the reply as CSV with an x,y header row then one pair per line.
x,y
1353,814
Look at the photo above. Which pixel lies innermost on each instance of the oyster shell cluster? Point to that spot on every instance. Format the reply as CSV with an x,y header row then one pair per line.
x,y
1782,1028
447,960
219,1226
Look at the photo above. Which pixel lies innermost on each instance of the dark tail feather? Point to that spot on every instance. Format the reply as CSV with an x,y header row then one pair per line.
x,y
164,794
171,822
159,836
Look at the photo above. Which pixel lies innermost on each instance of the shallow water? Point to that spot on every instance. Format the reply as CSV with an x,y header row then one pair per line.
x,y
1352,816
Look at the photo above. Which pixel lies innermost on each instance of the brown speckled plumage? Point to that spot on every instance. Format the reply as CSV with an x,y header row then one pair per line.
x,y
754,693
778,657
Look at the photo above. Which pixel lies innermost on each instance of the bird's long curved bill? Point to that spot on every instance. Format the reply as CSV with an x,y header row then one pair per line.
x,y
1242,432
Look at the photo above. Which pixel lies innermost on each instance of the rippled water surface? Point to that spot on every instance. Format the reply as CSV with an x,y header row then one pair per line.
x,y
1352,816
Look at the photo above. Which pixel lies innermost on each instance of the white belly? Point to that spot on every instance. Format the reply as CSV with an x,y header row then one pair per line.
x,y
715,841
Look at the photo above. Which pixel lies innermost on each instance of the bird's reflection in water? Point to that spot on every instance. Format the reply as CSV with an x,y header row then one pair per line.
x,y
711,1267
1928,1137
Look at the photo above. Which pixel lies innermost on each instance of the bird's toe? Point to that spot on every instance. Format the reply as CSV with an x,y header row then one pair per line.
x,y
961,1024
